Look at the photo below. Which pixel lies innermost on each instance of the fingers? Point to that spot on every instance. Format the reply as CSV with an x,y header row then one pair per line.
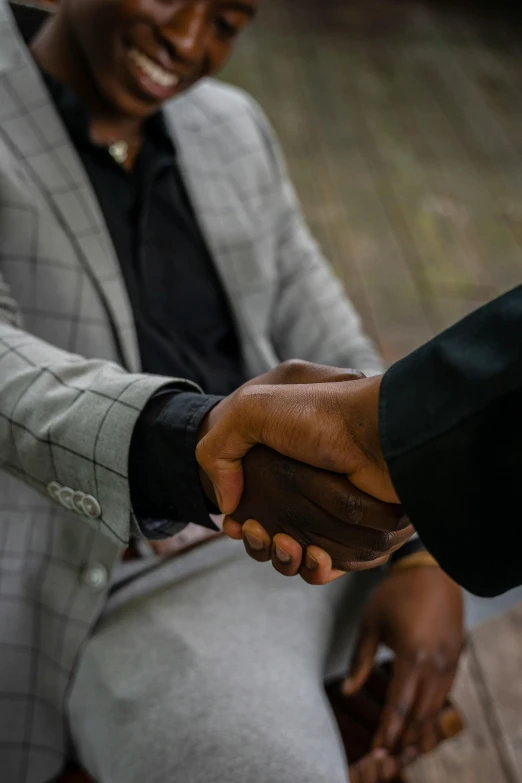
x,y
399,704
316,568
363,565
362,660
284,551
233,529
376,767
287,555
343,500
365,771
432,695
257,541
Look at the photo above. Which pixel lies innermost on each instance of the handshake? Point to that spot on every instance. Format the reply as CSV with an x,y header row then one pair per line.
x,y
293,458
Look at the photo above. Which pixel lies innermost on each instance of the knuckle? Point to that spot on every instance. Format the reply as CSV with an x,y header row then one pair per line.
x,y
417,656
292,369
383,542
443,662
420,657
349,506
401,709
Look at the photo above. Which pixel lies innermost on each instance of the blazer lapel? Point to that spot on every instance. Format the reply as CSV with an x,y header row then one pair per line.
x,y
221,213
33,129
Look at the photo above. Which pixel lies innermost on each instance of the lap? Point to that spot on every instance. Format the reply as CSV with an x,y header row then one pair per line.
x,y
212,669
216,673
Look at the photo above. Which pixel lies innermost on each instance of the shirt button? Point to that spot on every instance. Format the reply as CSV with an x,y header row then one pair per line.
x,y
95,576
66,498
53,490
91,507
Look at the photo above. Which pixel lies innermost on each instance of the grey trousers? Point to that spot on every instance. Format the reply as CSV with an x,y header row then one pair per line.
x,y
210,670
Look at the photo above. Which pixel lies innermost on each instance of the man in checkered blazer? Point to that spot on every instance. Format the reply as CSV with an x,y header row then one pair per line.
x,y
145,255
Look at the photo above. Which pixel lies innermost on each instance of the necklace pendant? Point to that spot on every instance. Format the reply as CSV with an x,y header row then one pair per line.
x,y
119,151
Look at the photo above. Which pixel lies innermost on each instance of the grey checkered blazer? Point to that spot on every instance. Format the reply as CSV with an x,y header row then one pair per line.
x,y
70,382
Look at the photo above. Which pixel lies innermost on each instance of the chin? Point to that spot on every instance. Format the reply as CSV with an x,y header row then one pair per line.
x,y
129,105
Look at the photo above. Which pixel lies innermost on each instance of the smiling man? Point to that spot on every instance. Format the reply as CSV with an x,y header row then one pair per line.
x,y
152,249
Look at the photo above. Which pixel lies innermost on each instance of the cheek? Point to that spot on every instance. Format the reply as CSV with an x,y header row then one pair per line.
x,y
96,33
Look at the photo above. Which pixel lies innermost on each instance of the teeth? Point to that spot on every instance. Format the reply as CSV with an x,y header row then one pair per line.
x,y
154,71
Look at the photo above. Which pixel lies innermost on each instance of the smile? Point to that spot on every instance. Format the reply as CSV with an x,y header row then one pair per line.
x,y
155,72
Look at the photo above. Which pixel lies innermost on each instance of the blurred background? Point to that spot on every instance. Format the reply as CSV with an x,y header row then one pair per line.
x,y
402,127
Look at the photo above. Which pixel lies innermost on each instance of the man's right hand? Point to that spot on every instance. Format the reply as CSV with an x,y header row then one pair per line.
x,y
300,505
330,423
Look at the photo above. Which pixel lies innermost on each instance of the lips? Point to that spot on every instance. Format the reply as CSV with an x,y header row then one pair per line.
x,y
157,75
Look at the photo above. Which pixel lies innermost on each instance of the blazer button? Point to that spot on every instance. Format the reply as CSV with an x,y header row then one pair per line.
x,y
95,576
53,490
77,499
91,507
66,498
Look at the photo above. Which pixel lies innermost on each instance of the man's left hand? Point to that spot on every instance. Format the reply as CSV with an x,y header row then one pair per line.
x,y
418,614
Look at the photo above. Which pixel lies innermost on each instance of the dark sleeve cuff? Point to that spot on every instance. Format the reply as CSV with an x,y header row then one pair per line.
x,y
411,547
458,488
164,478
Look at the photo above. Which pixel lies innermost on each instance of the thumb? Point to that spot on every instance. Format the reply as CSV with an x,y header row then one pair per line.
x,y
227,479
362,660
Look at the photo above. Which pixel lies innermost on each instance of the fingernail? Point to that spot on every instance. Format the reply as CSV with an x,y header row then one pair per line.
x,y
379,754
310,562
282,556
254,542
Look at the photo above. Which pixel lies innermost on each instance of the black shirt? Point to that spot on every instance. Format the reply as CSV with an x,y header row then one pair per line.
x,y
183,320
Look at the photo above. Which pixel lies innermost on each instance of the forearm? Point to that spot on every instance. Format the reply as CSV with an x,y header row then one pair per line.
x,y
450,417
67,420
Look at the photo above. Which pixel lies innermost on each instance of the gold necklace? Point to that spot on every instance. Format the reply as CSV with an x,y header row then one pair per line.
x,y
119,151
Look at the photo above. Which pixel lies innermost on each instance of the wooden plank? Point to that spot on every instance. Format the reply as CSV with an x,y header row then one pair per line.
x,y
450,309
471,757
406,195
497,651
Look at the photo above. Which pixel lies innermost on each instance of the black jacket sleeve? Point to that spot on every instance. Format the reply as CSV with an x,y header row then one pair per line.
x,y
451,430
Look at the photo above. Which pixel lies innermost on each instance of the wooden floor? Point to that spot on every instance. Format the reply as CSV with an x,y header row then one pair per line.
x,y
402,126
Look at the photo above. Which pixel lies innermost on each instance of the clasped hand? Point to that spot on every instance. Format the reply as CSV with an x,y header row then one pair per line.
x,y
306,520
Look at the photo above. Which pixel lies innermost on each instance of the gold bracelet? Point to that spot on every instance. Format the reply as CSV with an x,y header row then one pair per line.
x,y
415,560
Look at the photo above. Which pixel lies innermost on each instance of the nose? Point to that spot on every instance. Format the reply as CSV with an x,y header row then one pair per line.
x,y
185,33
